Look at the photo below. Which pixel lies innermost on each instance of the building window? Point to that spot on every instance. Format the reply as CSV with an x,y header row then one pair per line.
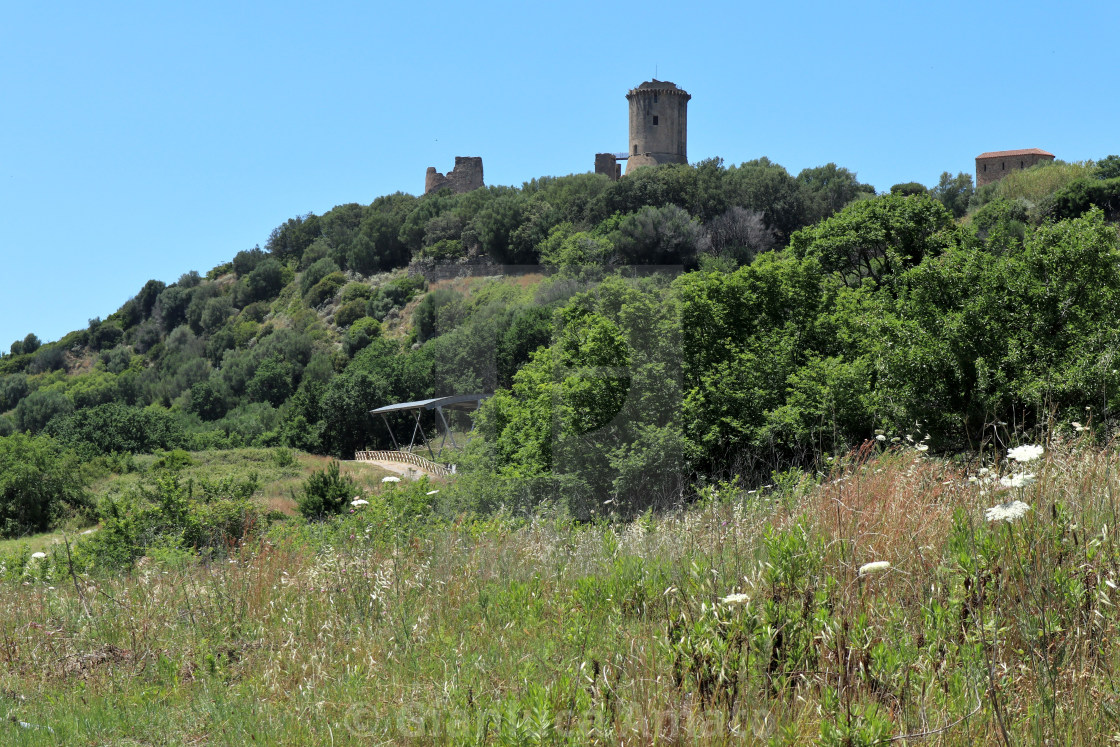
x,y
654,120
635,149
1022,164
655,98
1003,166
985,168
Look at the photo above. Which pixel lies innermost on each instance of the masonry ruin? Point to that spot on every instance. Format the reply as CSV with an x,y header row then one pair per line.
x,y
465,177
996,164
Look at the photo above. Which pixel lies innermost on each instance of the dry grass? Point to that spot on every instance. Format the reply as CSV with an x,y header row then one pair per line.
x,y
523,632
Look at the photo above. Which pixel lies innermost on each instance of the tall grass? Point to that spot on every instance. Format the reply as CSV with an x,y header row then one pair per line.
x,y
367,629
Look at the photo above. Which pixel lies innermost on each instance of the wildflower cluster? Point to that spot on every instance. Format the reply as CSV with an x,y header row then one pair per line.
x,y
1019,478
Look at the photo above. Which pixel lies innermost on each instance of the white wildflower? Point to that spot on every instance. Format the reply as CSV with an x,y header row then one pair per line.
x,y
38,555
390,479
876,567
736,599
1007,511
922,447
1025,453
1078,427
431,492
359,502
880,437
1022,480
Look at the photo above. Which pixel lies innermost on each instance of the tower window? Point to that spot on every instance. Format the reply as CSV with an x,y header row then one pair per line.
x,y
635,149
1022,164
655,98
654,120
1002,166
985,167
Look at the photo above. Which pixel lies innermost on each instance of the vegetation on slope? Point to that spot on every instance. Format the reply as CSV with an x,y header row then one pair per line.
x,y
689,335
874,601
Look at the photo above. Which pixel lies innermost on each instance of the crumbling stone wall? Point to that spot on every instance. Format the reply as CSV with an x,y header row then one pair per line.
x,y
606,163
466,176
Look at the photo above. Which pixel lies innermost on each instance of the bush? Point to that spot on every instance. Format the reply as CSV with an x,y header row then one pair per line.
x,y
117,428
13,388
325,289
350,312
39,482
325,493
40,407
355,291
908,189
316,272
166,516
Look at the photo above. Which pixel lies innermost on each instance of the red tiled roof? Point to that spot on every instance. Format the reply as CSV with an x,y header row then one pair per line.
x,y
1010,153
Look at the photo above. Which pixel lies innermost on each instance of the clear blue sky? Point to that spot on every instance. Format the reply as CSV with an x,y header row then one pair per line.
x,y
142,140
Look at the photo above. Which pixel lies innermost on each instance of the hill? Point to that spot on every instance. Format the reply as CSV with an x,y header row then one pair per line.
x,y
679,324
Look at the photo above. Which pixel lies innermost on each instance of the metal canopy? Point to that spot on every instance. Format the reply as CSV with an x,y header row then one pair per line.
x,y
456,402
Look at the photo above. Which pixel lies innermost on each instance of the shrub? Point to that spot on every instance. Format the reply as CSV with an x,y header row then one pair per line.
x,y
40,407
39,481
115,427
316,272
325,289
350,312
324,493
13,388
164,515
355,291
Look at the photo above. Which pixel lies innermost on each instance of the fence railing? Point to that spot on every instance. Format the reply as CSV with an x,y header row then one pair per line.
x,y
440,470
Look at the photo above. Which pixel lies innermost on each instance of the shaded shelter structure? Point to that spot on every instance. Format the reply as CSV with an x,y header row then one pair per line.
x,y
462,402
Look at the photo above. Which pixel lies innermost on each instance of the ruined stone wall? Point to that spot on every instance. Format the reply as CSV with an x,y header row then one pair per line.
x,y
606,163
466,176
993,169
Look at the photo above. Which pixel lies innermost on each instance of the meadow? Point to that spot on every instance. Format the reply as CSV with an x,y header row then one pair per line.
x,y
878,601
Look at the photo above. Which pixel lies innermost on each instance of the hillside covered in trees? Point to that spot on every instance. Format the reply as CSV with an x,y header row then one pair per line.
x,y
666,329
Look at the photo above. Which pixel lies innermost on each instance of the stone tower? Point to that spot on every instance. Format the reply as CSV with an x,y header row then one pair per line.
x,y
466,176
658,124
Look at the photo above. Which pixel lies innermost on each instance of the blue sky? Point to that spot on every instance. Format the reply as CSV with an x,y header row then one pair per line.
x,y
143,140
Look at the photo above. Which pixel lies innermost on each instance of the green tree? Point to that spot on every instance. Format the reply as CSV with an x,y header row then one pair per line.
x,y
1107,168
954,192
659,236
768,188
877,239
265,280
273,381
13,388
829,189
288,241
909,189
39,483
38,408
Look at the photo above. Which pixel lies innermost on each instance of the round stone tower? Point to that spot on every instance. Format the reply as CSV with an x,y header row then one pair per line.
x,y
658,124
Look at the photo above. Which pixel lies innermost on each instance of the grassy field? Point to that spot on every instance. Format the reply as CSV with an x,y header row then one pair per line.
x,y
759,616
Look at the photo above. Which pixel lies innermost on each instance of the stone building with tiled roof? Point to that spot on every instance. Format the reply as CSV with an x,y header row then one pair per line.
x,y
996,164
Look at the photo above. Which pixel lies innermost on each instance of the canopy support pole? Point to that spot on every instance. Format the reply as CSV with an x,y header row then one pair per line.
x,y
396,446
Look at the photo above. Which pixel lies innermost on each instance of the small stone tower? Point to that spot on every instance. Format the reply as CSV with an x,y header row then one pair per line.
x,y
658,124
466,176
